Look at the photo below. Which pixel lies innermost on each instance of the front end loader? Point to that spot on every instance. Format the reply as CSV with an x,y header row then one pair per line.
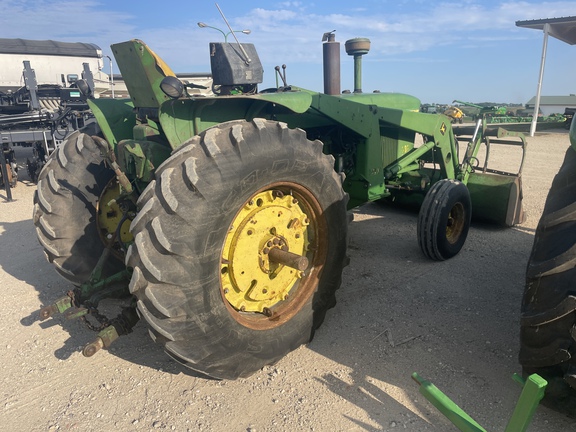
x,y
223,218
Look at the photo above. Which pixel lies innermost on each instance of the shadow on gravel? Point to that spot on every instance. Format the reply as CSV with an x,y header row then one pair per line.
x,y
454,322
23,259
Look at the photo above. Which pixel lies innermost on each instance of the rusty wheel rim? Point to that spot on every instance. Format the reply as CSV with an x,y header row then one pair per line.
x,y
259,291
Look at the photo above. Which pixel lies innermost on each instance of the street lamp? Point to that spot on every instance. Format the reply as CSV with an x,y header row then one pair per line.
x,y
203,25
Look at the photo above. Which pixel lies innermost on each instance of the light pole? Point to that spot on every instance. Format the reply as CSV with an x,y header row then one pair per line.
x,y
111,76
203,25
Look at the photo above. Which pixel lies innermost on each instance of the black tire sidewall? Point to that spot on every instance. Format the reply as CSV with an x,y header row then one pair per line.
x,y
226,182
433,219
457,195
80,182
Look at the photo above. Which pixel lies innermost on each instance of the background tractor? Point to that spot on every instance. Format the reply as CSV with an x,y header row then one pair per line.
x,y
456,114
224,217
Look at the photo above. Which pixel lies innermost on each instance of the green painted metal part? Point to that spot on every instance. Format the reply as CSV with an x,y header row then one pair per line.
x,y
388,124
143,71
496,198
115,117
446,406
140,158
533,392
181,119
496,195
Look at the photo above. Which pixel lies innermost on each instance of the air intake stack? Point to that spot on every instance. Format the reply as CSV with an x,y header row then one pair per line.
x,y
357,47
331,57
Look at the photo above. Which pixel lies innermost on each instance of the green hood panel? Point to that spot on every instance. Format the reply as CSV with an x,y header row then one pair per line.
x,y
385,100
297,102
181,119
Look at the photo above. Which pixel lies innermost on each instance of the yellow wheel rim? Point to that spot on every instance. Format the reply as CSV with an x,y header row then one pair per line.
x,y
261,290
109,215
455,223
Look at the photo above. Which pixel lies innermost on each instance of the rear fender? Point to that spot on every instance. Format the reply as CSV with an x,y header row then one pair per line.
x,y
115,117
182,119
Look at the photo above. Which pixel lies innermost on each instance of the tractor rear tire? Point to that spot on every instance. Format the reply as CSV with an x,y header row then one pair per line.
x,y
444,220
218,206
65,206
548,321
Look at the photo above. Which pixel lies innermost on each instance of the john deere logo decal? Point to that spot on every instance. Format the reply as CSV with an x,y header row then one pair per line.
x,y
443,128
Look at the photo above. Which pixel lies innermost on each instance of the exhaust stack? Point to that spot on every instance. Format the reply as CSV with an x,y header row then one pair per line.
x,y
331,58
357,47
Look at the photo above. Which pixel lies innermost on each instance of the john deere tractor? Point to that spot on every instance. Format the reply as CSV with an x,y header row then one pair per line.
x,y
224,217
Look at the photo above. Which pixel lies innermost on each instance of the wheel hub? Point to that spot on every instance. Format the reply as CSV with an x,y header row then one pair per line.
x,y
110,219
264,254
455,223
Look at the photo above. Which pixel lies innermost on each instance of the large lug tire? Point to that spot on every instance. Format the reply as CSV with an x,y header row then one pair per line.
x,y
204,275
548,322
444,220
65,209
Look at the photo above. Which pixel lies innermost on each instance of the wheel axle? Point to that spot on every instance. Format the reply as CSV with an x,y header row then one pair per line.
x,y
289,259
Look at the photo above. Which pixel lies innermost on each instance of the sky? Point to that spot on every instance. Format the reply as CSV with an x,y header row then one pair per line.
x,y
437,51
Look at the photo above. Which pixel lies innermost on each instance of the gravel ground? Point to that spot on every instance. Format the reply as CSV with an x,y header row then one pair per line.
x,y
456,323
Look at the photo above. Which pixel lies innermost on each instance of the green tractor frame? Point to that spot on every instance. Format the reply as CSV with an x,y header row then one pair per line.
x,y
224,218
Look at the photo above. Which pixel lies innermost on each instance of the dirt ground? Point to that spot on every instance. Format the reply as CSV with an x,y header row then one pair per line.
x,y
455,323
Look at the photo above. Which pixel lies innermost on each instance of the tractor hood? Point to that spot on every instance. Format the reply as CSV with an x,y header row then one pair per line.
x,y
295,101
206,112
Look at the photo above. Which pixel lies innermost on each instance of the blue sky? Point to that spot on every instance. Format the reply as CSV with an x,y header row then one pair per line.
x,y
436,51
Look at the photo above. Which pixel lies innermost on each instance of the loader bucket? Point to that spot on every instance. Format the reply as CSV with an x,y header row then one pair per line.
x,y
496,194
496,198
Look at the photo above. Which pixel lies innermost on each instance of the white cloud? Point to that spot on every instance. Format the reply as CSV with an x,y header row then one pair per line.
x,y
290,32
84,21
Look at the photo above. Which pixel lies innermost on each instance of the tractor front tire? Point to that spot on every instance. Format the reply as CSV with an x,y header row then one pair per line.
x,y
65,209
221,207
444,220
548,321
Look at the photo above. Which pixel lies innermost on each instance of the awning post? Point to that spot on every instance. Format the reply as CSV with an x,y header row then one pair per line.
x,y
540,78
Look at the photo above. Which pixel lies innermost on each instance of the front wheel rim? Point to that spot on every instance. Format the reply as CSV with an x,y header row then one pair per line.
x,y
455,223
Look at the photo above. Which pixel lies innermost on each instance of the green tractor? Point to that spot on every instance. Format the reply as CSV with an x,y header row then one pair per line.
x,y
224,217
